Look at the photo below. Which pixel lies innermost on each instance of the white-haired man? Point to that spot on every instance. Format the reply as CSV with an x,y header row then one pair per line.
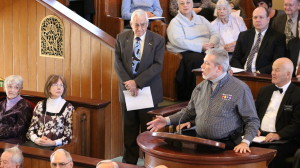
x,y
139,56
217,101
61,158
12,158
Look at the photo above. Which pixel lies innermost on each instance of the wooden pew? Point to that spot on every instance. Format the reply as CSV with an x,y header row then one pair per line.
x,y
253,80
111,15
39,158
87,115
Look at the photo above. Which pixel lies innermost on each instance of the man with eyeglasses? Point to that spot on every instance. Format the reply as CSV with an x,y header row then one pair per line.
x,y
12,158
139,55
61,158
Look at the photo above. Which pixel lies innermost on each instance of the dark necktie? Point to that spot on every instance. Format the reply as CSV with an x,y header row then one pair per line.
x,y
253,51
279,89
288,30
136,57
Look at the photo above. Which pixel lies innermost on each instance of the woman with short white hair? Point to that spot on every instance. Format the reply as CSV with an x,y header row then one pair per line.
x,y
227,25
15,112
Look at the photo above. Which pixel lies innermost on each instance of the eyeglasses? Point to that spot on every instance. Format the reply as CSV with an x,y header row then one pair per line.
x,y
139,25
62,164
57,85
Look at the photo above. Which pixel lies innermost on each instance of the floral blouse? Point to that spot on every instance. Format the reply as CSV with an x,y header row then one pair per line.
x,y
55,126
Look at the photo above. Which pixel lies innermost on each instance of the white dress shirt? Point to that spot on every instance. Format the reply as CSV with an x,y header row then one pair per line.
x,y
269,120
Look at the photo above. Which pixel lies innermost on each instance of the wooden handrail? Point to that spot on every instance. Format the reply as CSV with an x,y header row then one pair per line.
x,y
75,18
76,101
40,154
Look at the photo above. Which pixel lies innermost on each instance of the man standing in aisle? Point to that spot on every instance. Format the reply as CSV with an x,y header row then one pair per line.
x,y
139,55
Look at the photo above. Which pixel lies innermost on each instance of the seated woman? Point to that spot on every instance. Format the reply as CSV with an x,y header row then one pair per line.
x,y
227,25
152,7
51,124
15,112
273,13
204,8
191,35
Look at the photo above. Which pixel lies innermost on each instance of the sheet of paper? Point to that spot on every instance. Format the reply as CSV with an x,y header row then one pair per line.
x,y
259,139
237,70
142,101
156,18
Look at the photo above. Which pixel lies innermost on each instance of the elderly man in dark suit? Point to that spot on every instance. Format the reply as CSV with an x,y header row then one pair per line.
x,y
139,55
257,48
287,23
278,107
293,52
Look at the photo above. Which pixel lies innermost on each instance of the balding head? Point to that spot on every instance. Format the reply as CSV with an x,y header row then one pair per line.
x,y
282,71
61,157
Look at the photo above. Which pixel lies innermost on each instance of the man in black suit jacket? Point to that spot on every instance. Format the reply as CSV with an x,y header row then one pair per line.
x,y
146,73
291,9
293,51
271,46
278,107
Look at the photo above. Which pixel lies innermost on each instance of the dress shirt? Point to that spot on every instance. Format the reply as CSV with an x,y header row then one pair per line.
x,y
253,66
213,111
11,102
142,41
269,119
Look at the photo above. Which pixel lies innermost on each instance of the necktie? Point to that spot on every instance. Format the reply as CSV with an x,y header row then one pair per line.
x,y
288,30
253,51
136,55
279,89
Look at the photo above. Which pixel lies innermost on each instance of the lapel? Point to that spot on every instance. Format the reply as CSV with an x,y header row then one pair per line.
x,y
148,44
250,41
283,23
285,98
297,32
267,98
294,51
263,43
128,51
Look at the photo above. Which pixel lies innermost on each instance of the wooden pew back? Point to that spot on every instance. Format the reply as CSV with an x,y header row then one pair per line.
x,y
81,139
39,158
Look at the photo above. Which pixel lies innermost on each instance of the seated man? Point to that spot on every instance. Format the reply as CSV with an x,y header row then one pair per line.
x,y
222,106
287,23
278,107
12,158
293,52
61,158
257,48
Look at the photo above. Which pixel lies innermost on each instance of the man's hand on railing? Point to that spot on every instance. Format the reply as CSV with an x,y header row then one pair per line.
x,y
181,126
157,124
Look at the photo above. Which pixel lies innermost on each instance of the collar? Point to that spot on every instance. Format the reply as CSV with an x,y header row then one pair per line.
x,y
142,37
294,18
217,79
262,33
14,100
284,87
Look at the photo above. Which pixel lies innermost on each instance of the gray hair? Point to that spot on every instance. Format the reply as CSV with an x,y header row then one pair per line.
x,y
17,156
13,79
222,57
222,3
67,154
139,12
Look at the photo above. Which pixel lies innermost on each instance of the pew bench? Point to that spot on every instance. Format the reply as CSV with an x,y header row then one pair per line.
x,y
88,113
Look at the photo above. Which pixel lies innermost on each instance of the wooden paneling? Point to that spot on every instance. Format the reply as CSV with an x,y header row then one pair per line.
x,y
87,65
